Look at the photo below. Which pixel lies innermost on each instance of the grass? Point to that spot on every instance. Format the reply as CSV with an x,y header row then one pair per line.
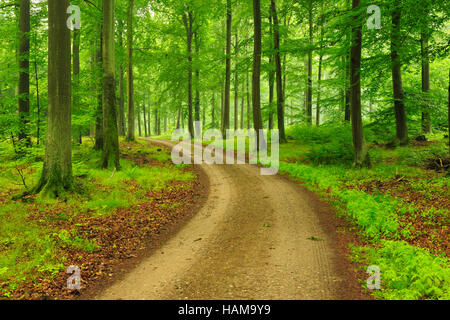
x,y
34,239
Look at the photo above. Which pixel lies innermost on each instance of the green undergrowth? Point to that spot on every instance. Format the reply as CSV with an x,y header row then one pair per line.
x,y
321,159
35,234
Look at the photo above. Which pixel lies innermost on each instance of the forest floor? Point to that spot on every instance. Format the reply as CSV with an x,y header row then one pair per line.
x,y
112,221
257,237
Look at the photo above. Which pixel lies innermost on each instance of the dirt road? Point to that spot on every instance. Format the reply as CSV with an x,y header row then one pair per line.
x,y
251,240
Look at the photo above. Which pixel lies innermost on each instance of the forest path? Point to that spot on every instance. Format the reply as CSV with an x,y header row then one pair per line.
x,y
251,240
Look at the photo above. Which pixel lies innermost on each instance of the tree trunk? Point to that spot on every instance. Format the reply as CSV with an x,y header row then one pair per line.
x,y
56,175
271,73
99,112
256,83
279,76
188,23
213,111
236,86
309,87
361,151
145,120
248,102
38,105
400,114
426,120
138,111
121,87
76,80
130,87
110,156
226,111
197,79
24,73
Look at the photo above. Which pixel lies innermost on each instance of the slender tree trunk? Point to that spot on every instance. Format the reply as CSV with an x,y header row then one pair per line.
x,y
400,114
449,109
426,119
121,113
248,102
179,118
242,107
226,112
188,22
197,79
279,76
56,175
145,120
110,156
24,73
271,73
213,111
99,112
256,83
38,105
76,80
138,111
309,86
347,89
130,86
319,78
236,86
361,151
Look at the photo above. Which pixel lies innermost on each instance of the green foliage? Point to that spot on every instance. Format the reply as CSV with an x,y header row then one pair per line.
x,y
408,272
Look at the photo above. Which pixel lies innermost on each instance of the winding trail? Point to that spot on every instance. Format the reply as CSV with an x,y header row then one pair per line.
x,y
251,240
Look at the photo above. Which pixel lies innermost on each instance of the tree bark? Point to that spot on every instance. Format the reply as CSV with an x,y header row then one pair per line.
x,y
256,83
76,80
361,151
188,24
236,86
38,105
197,78
110,156
121,113
309,87
400,114
271,73
130,86
426,119
226,111
56,176
279,76
24,73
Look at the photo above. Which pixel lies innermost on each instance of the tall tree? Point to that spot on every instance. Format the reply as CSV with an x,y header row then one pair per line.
x,y
361,151
121,99
309,64
399,106
226,111
110,155
76,79
236,84
24,72
130,84
424,36
188,20
56,175
256,81
279,76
